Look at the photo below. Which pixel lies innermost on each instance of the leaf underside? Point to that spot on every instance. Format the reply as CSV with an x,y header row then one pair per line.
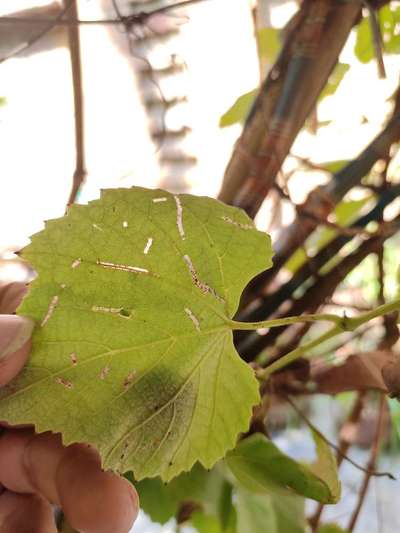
x,y
132,352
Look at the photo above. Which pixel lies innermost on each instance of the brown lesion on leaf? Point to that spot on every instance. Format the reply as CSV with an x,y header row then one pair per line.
x,y
237,224
104,372
205,289
129,379
65,383
117,311
74,359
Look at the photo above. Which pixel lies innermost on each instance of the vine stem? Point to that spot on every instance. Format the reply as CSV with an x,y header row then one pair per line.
x,y
276,322
341,324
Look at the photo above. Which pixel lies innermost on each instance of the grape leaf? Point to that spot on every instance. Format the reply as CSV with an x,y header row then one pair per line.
x,y
238,110
332,528
270,512
132,352
260,466
162,501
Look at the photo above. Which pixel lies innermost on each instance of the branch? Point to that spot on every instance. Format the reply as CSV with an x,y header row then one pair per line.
x,y
129,20
289,93
322,200
250,345
75,54
346,324
376,39
270,303
371,463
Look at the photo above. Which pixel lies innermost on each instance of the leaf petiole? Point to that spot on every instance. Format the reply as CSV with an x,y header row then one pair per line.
x,y
342,324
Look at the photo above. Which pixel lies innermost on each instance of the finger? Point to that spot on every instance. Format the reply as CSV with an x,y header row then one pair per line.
x,y
25,513
93,501
15,345
11,296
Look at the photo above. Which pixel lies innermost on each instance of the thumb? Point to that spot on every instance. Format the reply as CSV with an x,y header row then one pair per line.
x,y
15,345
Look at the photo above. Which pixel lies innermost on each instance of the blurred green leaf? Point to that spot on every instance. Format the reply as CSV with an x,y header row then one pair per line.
x,y
161,500
331,528
204,523
269,512
260,466
345,213
226,512
268,43
389,19
334,80
334,166
296,260
239,110
3,101
364,49
394,407
325,467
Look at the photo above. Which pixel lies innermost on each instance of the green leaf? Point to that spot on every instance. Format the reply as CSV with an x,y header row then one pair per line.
x,y
325,467
3,101
331,528
260,466
204,523
269,512
268,43
334,80
345,213
364,49
389,20
334,166
239,110
161,500
133,351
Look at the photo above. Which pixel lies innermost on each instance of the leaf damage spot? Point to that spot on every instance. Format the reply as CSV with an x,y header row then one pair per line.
x,y
104,372
124,268
65,383
74,359
119,311
76,263
179,213
237,224
206,289
97,227
148,245
125,224
128,380
102,309
157,200
193,318
52,305
62,285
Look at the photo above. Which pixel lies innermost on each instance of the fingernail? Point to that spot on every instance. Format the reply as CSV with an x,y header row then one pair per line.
x,y
14,333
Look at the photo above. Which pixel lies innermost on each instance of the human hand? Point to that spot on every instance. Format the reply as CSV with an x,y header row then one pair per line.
x,y
37,470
